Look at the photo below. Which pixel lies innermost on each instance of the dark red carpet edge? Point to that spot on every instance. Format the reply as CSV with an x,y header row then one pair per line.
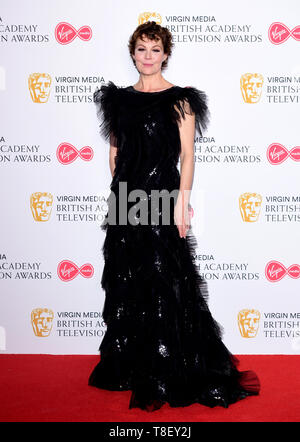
x,y
53,388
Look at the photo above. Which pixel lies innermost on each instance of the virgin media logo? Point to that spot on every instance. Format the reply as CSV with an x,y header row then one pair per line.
x,y
277,153
278,33
66,153
67,270
66,33
275,271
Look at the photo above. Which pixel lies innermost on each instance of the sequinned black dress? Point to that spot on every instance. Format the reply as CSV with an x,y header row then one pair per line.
x,y
161,340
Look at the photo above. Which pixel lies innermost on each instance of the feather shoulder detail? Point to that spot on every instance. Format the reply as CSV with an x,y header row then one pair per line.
x,y
106,99
192,100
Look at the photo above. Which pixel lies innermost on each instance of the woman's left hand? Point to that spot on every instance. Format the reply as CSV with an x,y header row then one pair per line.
x,y
182,217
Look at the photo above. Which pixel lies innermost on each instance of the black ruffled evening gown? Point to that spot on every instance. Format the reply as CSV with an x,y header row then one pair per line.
x,y
161,340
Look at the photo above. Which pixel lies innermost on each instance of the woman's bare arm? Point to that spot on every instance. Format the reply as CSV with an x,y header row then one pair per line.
x,y
112,154
187,165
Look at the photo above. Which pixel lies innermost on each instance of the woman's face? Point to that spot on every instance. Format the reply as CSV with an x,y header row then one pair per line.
x,y
149,55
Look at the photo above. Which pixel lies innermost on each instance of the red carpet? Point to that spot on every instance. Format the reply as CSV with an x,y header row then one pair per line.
x,y
50,388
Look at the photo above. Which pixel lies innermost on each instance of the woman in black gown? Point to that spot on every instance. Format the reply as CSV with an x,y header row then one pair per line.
x,y
161,340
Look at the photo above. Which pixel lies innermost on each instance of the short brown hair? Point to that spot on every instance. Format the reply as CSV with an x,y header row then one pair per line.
x,y
152,31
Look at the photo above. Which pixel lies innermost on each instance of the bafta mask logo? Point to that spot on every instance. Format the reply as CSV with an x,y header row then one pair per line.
x,y
248,322
251,87
39,87
250,204
150,16
275,271
41,205
66,153
278,33
66,33
277,153
42,321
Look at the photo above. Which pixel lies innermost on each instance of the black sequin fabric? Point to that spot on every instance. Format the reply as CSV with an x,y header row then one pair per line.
x,y
161,341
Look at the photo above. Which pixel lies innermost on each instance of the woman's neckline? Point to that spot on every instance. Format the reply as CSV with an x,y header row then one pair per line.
x,y
154,92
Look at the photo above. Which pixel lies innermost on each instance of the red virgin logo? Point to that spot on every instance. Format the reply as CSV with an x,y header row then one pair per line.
x,y
278,33
66,33
66,153
67,270
275,271
277,153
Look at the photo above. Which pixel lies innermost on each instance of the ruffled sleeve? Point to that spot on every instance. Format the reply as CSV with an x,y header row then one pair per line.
x,y
106,100
192,100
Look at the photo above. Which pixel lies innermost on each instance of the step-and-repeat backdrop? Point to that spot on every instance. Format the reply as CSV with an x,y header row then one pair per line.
x,y
55,173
